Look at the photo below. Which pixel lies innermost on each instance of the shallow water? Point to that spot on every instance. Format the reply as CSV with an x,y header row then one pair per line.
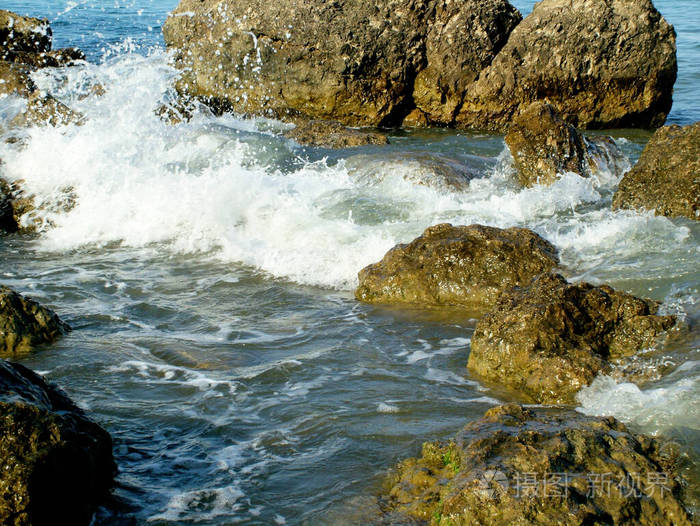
x,y
208,268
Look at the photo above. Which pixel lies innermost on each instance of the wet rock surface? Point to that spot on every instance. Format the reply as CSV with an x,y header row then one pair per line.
x,y
544,146
467,266
518,466
25,324
355,62
57,465
602,63
23,34
547,340
666,178
331,134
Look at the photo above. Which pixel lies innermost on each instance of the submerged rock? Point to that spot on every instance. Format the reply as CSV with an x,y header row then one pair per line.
x,y
437,171
467,266
359,63
542,467
57,465
25,324
551,338
46,110
602,63
331,134
666,178
15,80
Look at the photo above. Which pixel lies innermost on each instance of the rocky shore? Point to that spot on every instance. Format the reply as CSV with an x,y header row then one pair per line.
x,y
334,70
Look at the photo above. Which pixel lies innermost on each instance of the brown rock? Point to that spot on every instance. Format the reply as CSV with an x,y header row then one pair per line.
x,y
57,465
462,39
14,79
549,339
666,178
351,61
331,134
602,63
544,146
46,110
541,467
25,324
467,266
23,34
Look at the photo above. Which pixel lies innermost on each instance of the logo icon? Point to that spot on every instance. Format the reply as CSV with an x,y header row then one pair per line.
x,y
492,482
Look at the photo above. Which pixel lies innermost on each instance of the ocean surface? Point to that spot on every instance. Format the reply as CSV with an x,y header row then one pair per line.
x,y
208,271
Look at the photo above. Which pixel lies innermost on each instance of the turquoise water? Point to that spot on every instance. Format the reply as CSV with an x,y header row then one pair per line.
x,y
208,270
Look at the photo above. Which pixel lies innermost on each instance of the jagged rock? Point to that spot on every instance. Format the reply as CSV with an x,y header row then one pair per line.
x,y
25,324
14,79
549,339
541,467
331,134
544,146
350,61
23,34
602,63
57,465
666,178
467,266
46,110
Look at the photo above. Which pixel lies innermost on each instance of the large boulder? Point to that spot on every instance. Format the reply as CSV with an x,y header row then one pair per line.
x,y
602,63
25,324
544,146
541,467
466,266
57,465
666,178
352,61
549,339
23,34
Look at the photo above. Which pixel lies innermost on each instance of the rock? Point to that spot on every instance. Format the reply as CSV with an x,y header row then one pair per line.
x,y
57,465
542,467
23,34
25,324
544,146
54,59
14,79
359,63
462,39
549,339
46,110
331,134
602,63
8,220
415,119
666,178
467,266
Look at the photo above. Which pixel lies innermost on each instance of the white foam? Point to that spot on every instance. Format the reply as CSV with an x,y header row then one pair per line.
x,y
673,402
383,407
216,187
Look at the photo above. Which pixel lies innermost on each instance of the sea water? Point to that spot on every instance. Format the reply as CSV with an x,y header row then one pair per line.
x,y
208,271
